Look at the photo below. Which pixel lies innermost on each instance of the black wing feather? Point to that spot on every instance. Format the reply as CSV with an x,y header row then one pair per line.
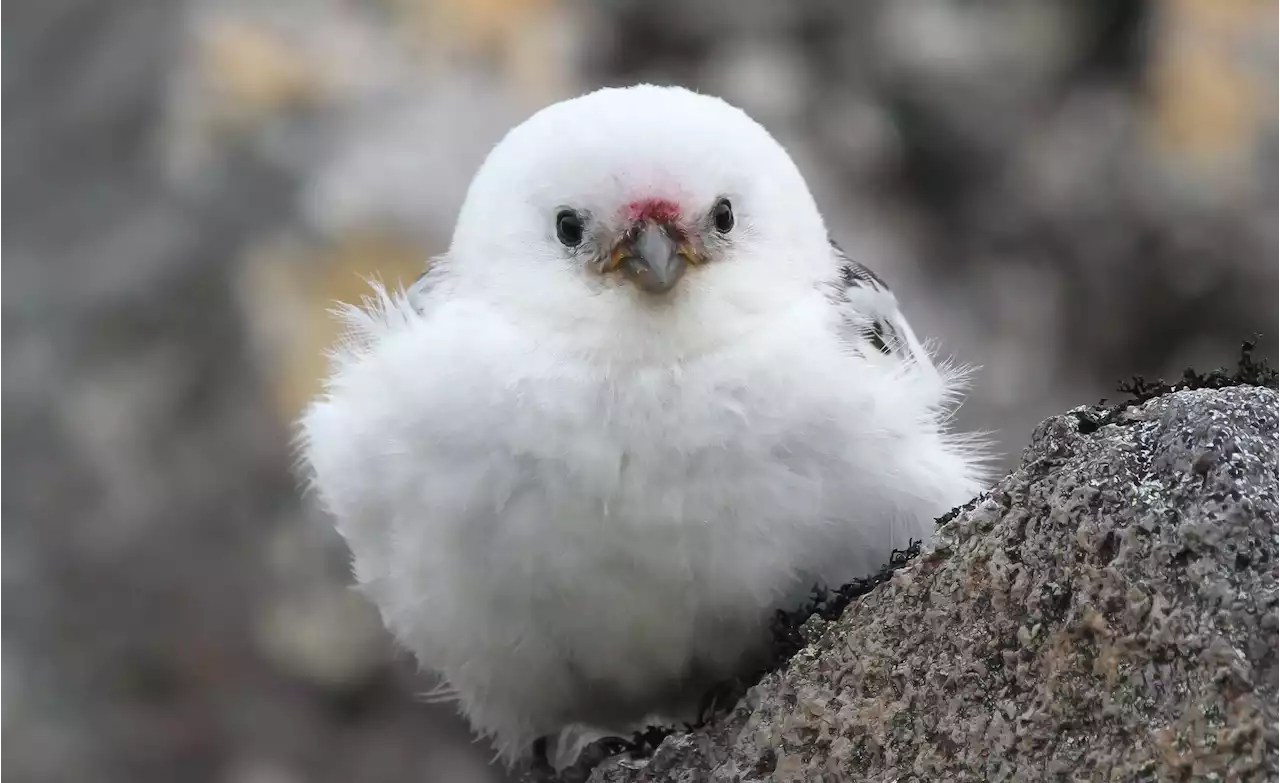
x,y
877,323
854,274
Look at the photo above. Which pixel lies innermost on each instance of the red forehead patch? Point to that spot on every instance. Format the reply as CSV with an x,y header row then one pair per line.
x,y
659,210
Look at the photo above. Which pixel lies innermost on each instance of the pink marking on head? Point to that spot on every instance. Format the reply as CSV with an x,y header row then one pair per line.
x,y
659,210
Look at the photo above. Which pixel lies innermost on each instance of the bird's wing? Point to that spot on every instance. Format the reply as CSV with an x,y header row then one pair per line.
x,y
870,321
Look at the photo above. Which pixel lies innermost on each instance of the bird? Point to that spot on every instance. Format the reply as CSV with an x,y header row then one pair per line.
x,y
640,404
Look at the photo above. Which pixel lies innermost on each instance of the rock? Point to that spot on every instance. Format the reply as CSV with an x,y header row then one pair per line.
x,y
1108,611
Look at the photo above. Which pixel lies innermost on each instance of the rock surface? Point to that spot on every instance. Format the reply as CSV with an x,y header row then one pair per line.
x,y
1107,612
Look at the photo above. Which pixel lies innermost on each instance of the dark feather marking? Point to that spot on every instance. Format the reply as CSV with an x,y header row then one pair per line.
x,y
881,334
876,338
854,274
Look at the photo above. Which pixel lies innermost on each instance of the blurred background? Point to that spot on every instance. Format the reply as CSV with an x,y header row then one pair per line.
x,y
1065,192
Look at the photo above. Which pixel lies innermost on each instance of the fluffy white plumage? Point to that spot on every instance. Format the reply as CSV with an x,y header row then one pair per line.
x,y
580,501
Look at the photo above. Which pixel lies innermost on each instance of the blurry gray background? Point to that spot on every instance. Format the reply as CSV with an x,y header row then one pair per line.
x,y
1063,192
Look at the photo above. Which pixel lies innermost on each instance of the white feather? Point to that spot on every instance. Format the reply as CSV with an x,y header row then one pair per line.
x,y
578,503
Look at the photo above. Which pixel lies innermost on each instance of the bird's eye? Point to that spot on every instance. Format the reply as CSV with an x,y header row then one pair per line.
x,y
569,228
722,214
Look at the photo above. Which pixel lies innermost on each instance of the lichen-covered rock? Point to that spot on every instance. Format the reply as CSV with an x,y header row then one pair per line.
x,y
1107,612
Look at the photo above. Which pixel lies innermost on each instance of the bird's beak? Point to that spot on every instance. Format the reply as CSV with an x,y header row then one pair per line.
x,y
650,258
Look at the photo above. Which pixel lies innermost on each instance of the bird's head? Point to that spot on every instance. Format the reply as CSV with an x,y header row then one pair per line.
x,y
645,204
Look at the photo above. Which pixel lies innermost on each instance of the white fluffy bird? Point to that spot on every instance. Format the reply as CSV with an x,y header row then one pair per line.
x,y
642,403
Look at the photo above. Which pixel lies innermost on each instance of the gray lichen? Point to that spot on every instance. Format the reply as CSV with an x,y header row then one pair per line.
x,y
1107,612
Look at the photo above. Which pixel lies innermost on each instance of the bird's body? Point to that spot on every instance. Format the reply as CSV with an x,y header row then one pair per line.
x,y
580,498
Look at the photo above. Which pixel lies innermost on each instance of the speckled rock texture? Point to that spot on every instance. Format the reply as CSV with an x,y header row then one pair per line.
x,y
1107,612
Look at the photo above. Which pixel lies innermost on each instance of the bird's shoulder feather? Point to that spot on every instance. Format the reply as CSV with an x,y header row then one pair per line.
x,y
870,319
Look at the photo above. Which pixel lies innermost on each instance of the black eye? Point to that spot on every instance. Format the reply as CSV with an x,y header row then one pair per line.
x,y
722,214
569,228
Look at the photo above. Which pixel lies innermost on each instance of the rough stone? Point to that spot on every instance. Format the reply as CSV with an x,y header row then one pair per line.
x,y
1107,612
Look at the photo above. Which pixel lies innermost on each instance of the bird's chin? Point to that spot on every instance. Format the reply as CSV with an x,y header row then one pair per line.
x,y
654,296
626,292
661,299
